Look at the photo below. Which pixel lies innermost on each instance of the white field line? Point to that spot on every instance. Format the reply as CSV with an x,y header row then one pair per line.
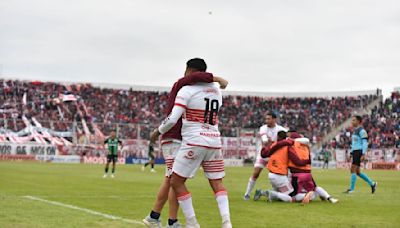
x,y
84,210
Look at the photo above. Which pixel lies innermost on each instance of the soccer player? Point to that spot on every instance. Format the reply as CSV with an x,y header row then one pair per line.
x,y
300,167
326,155
171,142
151,159
201,146
278,171
268,134
112,145
359,146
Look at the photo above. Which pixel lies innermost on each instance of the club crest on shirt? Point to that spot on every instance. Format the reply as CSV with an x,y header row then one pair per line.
x,y
190,155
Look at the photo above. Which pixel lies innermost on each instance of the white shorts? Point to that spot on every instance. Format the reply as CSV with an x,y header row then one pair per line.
x,y
260,162
170,150
190,158
280,183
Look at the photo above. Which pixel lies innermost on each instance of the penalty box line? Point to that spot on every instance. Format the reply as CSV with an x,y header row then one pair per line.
x,y
92,212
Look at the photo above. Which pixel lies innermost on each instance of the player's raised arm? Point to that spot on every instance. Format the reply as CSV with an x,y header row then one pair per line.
x,y
194,78
221,81
200,76
267,151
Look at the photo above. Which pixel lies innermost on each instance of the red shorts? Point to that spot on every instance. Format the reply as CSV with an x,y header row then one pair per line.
x,y
303,182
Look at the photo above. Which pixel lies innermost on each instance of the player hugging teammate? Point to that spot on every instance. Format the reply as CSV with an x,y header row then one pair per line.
x,y
291,153
285,154
190,139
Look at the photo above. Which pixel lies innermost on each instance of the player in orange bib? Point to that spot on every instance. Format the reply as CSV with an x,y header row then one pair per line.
x,y
278,171
303,183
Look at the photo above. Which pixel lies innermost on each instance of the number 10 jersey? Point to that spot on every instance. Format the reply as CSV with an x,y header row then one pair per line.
x,y
202,103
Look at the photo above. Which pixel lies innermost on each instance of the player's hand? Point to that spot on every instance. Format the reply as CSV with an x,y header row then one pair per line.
x,y
222,82
362,158
154,136
267,143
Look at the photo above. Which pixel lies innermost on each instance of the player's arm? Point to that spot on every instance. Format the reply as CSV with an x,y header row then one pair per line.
x,y
120,143
263,135
296,160
200,77
270,150
179,108
264,138
266,152
364,141
172,119
105,143
304,141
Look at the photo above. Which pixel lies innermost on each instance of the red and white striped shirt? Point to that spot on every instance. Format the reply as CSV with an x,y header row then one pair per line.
x,y
199,106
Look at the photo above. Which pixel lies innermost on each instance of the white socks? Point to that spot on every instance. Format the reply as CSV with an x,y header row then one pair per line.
x,y
185,202
321,192
280,196
223,205
250,186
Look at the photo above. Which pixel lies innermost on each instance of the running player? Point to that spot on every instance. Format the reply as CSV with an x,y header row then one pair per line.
x,y
151,158
112,146
199,104
268,134
359,146
171,142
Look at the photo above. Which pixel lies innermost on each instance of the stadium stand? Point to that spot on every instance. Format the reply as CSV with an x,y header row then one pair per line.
x,y
90,112
382,125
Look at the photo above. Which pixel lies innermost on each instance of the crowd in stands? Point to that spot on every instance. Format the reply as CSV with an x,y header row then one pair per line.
x,y
382,125
137,112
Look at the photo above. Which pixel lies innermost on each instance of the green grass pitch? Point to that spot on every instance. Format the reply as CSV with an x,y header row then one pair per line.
x,y
131,195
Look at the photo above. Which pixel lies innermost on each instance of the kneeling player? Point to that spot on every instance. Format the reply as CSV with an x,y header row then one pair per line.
x,y
304,185
278,171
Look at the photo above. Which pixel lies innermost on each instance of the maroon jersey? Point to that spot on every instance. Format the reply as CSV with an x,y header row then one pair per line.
x,y
175,132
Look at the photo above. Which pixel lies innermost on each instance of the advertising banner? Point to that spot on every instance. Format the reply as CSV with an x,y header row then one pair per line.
x,y
59,158
100,160
27,149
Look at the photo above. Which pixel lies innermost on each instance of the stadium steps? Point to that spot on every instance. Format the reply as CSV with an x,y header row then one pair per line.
x,y
362,111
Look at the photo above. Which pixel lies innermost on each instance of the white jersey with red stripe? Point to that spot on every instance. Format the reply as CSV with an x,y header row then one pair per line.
x,y
270,134
202,102
267,134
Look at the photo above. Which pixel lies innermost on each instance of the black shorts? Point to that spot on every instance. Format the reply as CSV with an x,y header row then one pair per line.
x,y
112,157
356,155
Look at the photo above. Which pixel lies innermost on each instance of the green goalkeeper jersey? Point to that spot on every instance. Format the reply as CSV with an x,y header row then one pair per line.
x,y
112,145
